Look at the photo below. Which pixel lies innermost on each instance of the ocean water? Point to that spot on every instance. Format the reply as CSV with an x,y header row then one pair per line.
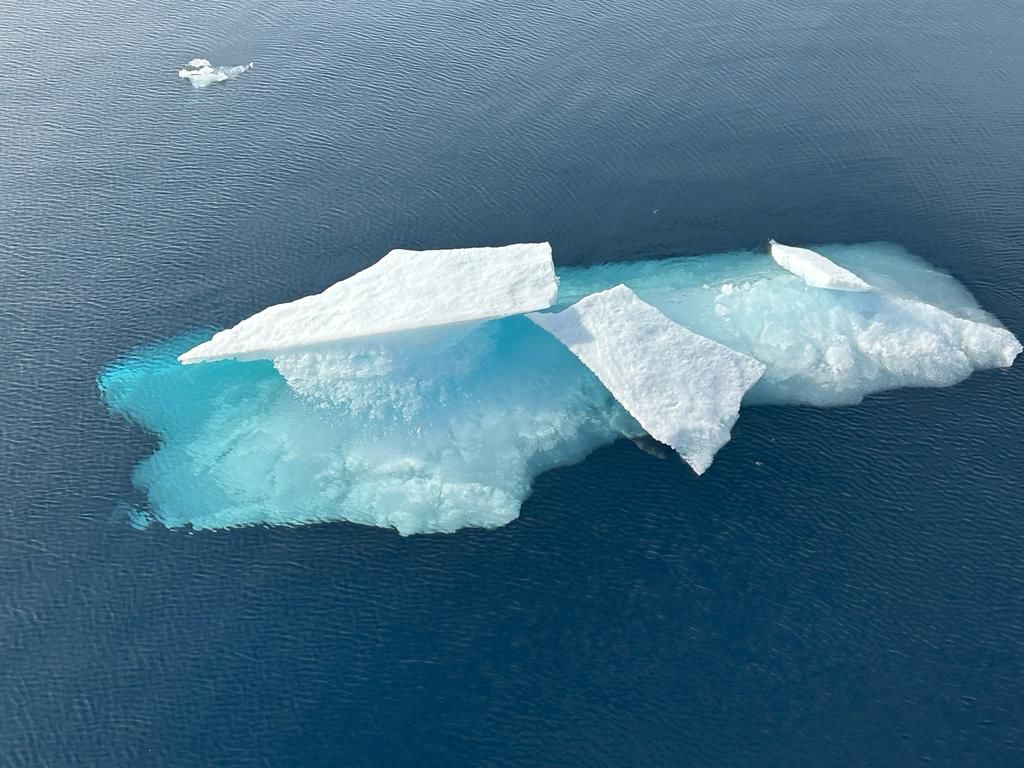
x,y
842,588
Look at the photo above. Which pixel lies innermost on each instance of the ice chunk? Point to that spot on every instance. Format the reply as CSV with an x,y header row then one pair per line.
x,y
455,438
412,292
201,73
815,269
683,388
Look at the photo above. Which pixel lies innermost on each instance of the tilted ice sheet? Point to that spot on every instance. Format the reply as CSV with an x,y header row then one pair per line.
x,y
815,269
405,292
453,434
683,389
201,73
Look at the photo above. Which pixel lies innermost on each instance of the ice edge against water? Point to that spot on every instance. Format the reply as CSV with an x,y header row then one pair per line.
x,y
683,389
466,286
447,428
200,73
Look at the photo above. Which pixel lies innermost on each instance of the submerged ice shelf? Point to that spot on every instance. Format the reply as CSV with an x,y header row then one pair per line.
x,y
432,418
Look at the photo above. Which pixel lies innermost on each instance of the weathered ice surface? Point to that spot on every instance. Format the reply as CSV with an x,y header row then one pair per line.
x,y
406,291
442,428
815,269
201,73
683,389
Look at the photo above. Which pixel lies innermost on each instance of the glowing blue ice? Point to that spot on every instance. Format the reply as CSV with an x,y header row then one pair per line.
x,y
453,435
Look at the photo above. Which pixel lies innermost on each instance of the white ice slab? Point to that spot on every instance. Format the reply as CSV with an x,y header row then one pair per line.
x,y
683,388
814,269
404,291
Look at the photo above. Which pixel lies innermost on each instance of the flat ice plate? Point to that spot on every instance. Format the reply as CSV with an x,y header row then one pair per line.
x,y
814,269
683,388
404,291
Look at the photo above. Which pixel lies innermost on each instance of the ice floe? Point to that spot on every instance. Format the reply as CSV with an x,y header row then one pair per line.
x,y
815,269
388,400
684,389
202,73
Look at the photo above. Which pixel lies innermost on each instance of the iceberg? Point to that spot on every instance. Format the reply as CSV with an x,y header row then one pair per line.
x,y
443,431
815,269
683,389
406,292
201,73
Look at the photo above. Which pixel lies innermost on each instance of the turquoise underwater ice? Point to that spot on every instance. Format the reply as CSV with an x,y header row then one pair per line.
x,y
453,435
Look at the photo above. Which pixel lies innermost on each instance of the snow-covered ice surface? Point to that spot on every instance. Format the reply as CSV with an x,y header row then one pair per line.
x,y
683,389
201,73
815,269
453,434
411,292
918,327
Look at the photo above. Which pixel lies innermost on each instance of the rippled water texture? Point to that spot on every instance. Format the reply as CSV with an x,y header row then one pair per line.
x,y
843,587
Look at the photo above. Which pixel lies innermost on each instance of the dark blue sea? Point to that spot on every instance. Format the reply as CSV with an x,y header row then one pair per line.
x,y
845,587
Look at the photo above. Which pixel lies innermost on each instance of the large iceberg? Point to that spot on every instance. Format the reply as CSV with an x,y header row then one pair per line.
x,y
453,434
202,73
683,389
407,292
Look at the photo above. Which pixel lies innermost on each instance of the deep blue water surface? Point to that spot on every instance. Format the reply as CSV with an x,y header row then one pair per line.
x,y
844,587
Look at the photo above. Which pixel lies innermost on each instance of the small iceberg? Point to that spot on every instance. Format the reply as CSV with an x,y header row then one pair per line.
x,y
201,73
815,269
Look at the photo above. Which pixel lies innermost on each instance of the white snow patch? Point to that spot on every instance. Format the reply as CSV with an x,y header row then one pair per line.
x,y
413,292
684,389
814,269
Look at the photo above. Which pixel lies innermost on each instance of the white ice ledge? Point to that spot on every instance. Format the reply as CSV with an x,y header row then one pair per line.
x,y
404,291
814,269
683,388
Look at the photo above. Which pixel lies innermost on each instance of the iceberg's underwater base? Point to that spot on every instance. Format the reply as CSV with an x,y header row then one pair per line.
x,y
440,430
